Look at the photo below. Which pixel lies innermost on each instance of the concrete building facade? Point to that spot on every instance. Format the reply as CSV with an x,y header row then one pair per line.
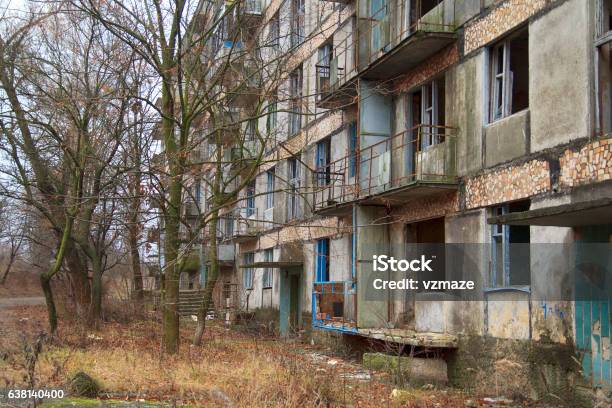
x,y
475,123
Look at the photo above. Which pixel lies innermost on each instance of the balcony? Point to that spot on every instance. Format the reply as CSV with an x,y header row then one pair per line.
x,y
336,76
381,50
415,163
385,51
246,224
191,210
225,254
333,305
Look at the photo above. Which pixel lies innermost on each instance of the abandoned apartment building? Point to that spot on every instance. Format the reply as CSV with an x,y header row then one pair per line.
x,y
468,122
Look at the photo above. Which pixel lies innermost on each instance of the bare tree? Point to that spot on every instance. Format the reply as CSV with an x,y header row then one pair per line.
x,y
67,98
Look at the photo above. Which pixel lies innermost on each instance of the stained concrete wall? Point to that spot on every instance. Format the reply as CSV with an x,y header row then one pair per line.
x,y
464,111
560,72
507,138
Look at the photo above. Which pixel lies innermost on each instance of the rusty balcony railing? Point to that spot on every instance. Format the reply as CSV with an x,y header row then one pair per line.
x,y
423,154
333,305
377,35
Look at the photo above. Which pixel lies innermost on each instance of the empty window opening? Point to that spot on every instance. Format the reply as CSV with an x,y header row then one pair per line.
x,y
429,239
323,170
510,263
509,77
426,110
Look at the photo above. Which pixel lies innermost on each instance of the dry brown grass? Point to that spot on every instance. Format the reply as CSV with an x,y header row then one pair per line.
x,y
230,369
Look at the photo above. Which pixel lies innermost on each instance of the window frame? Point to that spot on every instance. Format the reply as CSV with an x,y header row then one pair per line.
x,y
293,176
322,272
250,198
270,187
323,161
248,259
296,90
503,78
500,233
267,279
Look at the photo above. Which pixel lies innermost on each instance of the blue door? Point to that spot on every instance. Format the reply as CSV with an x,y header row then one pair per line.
x,y
593,306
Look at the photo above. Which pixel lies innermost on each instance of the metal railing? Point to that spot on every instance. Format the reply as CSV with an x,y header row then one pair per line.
x,y
333,305
246,221
423,153
374,36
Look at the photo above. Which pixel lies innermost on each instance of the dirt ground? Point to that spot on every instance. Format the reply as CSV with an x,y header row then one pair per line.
x,y
232,368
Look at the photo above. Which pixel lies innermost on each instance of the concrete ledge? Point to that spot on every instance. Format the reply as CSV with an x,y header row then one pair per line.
x,y
507,138
420,370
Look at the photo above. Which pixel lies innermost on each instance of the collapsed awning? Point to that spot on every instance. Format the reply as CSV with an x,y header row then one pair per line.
x,y
594,212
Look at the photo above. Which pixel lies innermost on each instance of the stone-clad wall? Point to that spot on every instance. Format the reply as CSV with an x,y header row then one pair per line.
x,y
507,184
501,19
428,69
591,164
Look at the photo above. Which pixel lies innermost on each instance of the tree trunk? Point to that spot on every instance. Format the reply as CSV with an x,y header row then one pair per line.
x,y
79,281
211,281
45,282
172,216
96,290
9,265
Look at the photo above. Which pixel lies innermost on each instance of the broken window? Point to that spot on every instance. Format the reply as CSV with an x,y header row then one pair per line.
x,y
510,263
323,154
509,77
267,275
427,114
603,66
322,260
323,68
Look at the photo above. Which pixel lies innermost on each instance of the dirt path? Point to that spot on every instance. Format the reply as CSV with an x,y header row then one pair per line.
x,y
6,303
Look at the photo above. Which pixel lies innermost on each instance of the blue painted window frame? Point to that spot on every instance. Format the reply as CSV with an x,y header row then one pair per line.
x,y
322,260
